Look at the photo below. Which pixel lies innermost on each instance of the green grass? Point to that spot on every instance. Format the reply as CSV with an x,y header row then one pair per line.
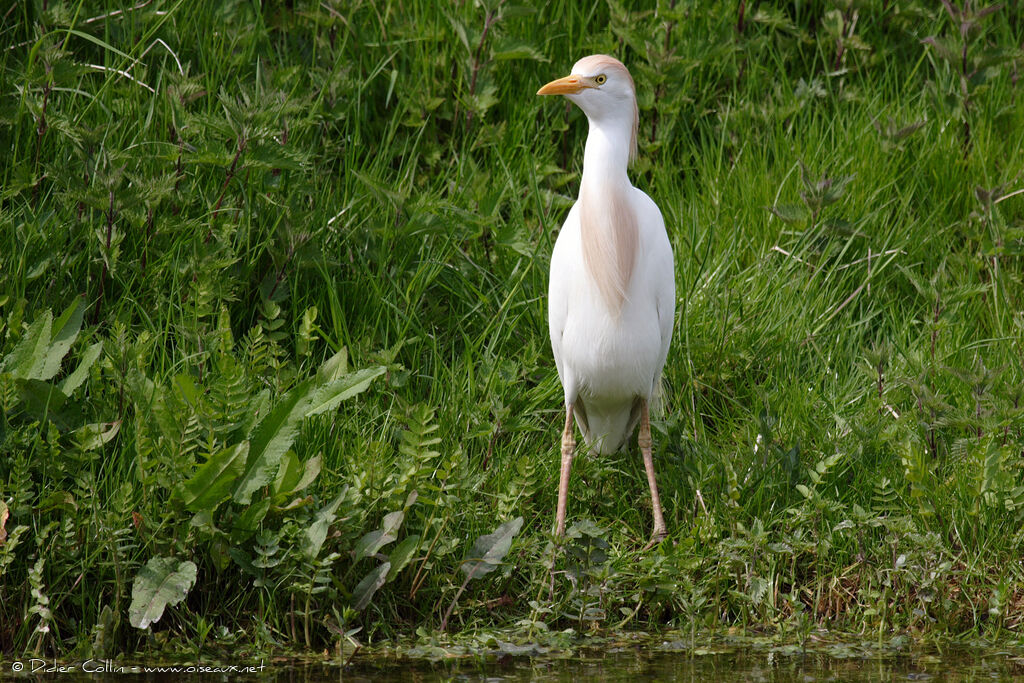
x,y
271,186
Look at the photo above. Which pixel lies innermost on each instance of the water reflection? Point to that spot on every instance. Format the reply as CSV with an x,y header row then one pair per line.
x,y
658,664
651,660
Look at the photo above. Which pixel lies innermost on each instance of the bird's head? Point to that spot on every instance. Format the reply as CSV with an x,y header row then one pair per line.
x,y
602,87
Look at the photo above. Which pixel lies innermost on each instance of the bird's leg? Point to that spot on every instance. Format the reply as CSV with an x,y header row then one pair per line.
x,y
644,441
568,445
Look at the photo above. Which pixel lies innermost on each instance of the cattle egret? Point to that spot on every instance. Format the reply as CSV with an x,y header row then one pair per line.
x,y
611,294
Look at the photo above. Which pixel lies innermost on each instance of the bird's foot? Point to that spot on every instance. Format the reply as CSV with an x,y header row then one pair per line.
x,y
657,537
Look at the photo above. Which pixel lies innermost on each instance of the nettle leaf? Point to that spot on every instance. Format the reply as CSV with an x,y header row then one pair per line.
x,y
908,130
506,50
490,549
775,19
833,23
485,98
517,11
943,49
214,479
835,190
790,213
993,57
276,156
163,581
364,591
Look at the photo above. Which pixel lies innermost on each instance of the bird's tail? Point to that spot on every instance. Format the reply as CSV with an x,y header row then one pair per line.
x,y
607,428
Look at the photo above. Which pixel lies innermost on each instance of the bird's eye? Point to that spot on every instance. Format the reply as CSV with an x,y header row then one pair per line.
x,y
600,79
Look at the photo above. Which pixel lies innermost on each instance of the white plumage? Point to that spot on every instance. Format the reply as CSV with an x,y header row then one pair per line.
x,y
611,295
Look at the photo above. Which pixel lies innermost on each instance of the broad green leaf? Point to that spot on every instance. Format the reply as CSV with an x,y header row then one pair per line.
x,y
81,373
334,367
314,537
242,559
30,351
248,523
57,500
490,549
371,543
92,436
328,396
43,400
392,521
214,479
366,588
104,641
270,440
259,407
402,555
276,432
293,476
310,471
163,581
65,331
375,540
288,473
185,387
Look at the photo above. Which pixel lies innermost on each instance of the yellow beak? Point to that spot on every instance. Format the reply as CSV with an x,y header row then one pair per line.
x,y
564,86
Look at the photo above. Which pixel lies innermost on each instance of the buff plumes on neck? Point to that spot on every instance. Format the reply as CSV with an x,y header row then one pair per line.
x,y
608,232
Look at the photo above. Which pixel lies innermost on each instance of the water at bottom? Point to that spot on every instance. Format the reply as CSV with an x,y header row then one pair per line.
x,y
648,659
671,661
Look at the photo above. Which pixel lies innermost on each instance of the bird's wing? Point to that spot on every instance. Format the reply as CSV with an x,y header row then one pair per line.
x,y
565,260
660,269
666,299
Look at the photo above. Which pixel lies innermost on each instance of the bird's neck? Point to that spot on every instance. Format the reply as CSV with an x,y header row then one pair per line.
x,y
606,158
608,220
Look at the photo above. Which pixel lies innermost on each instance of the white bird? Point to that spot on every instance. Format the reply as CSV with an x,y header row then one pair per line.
x,y
611,294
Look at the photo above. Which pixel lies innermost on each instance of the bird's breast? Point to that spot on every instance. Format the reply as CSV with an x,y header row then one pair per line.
x,y
604,351
612,356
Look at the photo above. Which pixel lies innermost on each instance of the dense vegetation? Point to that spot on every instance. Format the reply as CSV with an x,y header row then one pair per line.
x,y
274,365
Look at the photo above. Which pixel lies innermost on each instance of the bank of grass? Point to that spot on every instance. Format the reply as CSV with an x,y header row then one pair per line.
x,y
304,250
